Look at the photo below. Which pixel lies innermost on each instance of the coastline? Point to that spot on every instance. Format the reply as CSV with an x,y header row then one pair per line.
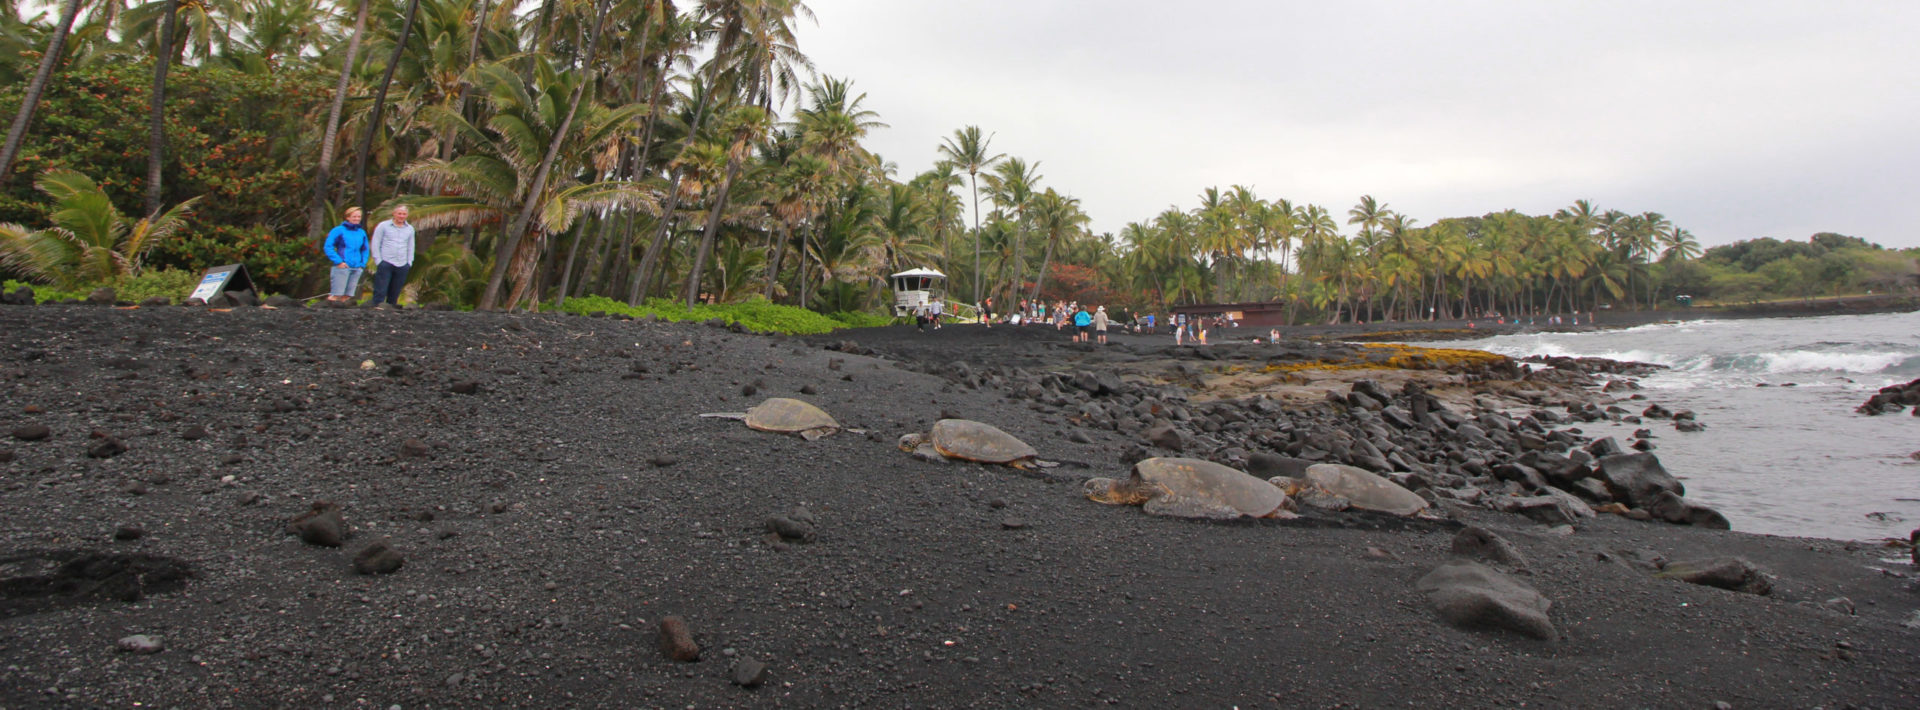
x,y
559,497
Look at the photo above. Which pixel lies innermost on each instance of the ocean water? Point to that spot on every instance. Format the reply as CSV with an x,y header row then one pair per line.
x,y
1783,452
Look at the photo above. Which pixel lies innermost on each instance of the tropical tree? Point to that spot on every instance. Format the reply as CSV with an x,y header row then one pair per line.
x,y
494,180
967,150
90,241
37,87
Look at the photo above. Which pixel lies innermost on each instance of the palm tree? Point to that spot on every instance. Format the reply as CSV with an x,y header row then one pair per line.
x,y
1012,186
323,170
511,240
491,182
156,128
761,34
38,86
91,242
967,150
1059,217
380,105
738,130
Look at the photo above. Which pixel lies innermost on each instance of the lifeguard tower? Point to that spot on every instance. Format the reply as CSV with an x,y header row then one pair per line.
x,y
915,288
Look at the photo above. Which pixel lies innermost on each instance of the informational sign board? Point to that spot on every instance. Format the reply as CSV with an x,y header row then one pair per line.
x,y
219,279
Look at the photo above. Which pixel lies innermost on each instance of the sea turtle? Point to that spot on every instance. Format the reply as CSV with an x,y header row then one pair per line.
x,y
1191,488
972,441
1361,488
785,416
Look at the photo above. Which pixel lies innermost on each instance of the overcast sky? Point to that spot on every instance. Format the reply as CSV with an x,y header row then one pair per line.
x,y
1734,119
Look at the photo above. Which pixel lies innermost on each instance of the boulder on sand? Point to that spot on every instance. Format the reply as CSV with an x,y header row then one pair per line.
x,y
1475,542
1730,573
1638,479
1473,596
1677,509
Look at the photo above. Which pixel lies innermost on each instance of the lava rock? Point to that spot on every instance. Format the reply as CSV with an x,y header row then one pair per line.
x,y
194,433
789,529
142,644
281,301
1265,465
1676,509
103,296
105,447
32,432
1166,437
1473,596
1475,542
676,640
128,532
1638,478
749,673
415,449
321,525
378,558
1730,573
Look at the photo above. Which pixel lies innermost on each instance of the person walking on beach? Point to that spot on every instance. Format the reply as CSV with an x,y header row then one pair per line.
x,y
1100,324
1179,328
346,247
1082,320
939,309
393,257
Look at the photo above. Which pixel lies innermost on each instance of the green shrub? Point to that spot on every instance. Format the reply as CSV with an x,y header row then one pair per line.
x,y
756,315
175,284
43,294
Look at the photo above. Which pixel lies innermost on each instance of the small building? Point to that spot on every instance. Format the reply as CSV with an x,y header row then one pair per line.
x,y
915,288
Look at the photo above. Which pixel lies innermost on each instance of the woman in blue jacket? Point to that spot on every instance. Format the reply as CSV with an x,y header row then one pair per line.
x,y
347,248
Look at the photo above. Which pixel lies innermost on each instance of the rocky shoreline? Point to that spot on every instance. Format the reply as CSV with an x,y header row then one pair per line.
x,y
529,512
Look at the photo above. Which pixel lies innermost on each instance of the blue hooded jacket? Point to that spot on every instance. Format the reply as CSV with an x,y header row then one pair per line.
x,y
347,244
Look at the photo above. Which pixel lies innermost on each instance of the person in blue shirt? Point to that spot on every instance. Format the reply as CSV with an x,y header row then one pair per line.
x,y
346,247
1082,320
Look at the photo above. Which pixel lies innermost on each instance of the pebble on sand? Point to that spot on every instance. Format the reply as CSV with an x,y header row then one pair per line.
x,y
676,640
321,525
378,557
141,644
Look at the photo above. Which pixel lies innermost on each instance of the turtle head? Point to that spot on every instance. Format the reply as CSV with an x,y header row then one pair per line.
x,y
1112,492
909,442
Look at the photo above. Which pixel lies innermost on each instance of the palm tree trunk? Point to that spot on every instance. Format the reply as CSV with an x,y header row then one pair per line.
x,y
701,253
662,233
323,172
573,253
1045,261
779,253
156,126
975,178
537,190
379,107
36,87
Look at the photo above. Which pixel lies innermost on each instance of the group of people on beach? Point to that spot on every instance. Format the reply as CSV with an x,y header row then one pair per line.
x,y
388,250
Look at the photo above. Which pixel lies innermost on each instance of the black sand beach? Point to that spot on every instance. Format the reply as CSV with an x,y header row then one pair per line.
x,y
555,496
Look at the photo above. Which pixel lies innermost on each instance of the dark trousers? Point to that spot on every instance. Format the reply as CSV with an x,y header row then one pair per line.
x,y
388,281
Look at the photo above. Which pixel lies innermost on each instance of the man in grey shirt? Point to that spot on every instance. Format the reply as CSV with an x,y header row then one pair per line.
x,y
392,247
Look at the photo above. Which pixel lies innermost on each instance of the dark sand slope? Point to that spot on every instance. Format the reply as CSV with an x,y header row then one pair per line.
x,y
550,519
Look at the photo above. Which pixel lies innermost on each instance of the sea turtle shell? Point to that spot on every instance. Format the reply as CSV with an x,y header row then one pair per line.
x,y
1192,488
974,441
1364,489
791,416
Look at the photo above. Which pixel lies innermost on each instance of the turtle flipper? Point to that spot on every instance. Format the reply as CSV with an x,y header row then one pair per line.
x,y
811,434
724,415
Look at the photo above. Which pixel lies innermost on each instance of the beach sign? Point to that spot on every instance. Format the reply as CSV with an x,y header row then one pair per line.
x,y
219,279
